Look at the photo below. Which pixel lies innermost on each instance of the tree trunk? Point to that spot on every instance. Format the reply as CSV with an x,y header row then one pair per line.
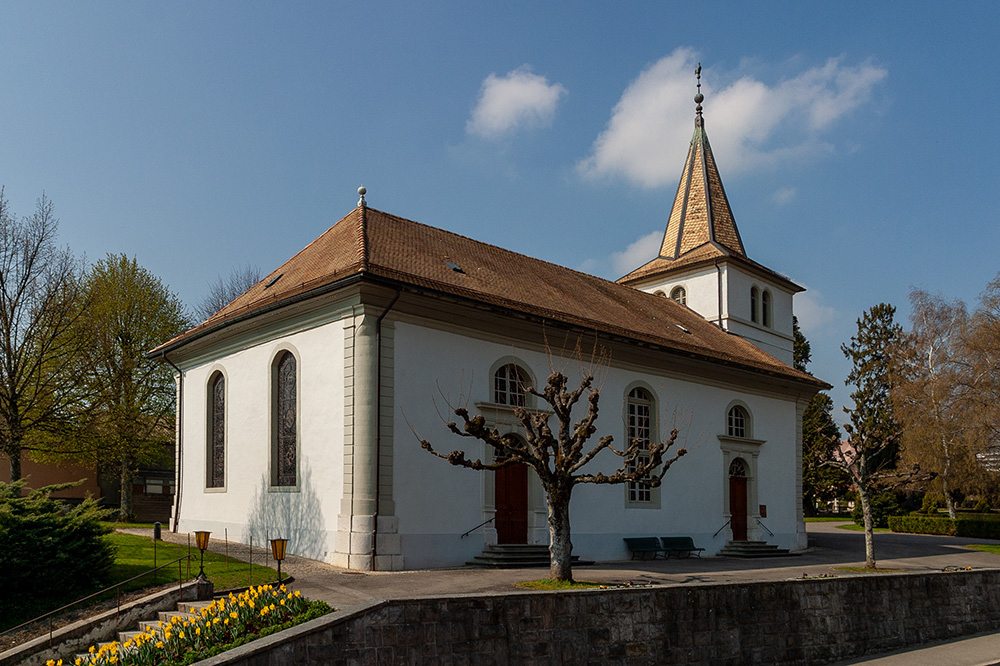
x,y
15,467
948,500
125,494
866,513
560,545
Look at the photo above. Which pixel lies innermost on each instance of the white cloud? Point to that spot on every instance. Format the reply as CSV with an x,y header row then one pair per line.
x,y
515,100
637,253
813,316
652,122
783,196
617,264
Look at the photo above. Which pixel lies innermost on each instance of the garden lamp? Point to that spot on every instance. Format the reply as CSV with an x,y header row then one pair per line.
x,y
201,539
278,551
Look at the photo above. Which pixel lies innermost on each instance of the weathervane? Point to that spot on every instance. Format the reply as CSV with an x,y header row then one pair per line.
x,y
698,98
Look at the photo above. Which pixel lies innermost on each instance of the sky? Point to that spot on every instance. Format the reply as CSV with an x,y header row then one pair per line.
x,y
857,142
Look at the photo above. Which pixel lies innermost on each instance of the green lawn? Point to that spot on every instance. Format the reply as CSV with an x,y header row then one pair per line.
x,y
135,555
986,547
827,519
854,527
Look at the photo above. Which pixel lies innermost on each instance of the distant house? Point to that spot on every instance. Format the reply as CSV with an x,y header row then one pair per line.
x,y
296,401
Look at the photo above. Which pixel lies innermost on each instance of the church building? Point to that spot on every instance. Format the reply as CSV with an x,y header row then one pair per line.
x,y
300,403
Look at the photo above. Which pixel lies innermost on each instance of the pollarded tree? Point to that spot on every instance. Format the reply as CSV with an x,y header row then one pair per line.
x,y
558,455
131,311
41,298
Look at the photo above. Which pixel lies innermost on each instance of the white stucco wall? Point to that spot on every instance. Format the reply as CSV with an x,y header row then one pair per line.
x,y
248,504
446,501
701,287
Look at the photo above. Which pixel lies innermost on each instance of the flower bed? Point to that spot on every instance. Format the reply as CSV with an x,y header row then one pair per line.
x,y
222,625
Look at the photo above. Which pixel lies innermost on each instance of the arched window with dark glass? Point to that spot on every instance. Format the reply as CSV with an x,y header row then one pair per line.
x,y
217,432
679,294
754,297
738,422
638,412
508,386
765,310
285,444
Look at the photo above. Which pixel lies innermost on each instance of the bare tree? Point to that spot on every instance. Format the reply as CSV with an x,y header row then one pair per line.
x,y
558,455
222,292
41,298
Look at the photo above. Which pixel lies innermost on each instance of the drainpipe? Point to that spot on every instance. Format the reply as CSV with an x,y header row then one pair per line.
x,y
180,438
378,420
718,272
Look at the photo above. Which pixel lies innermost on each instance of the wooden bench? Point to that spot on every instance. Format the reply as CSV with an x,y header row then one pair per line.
x,y
643,546
682,546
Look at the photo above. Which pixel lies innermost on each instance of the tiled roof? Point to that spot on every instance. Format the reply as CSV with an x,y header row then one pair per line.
x,y
373,244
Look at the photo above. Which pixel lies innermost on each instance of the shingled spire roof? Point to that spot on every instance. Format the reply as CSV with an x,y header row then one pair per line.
x,y
701,226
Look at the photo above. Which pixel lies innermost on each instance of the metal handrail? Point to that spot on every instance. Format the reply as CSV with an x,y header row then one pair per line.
x,y
721,528
485,522
118,603
764,526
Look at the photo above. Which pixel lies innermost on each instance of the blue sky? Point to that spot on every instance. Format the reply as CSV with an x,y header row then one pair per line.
x,y
858,142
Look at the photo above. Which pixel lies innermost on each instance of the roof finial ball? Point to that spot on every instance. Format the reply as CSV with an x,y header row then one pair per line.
x,y
361,202
698,98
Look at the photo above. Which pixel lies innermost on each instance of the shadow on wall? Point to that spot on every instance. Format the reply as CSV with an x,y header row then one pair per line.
x,y
295,516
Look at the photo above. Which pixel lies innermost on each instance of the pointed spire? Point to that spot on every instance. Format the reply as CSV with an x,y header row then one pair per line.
x,y
701,216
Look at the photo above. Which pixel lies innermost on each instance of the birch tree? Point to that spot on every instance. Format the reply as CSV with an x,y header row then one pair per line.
x,y
559,452
931,394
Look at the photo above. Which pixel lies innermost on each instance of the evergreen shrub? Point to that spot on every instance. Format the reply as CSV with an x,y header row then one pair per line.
x,y
883,506
50,553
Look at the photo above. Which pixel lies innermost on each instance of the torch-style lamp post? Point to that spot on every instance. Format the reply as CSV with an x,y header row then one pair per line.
x,y
201,539
278,551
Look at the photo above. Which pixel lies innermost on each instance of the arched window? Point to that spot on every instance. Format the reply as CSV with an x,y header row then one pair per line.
x,y
738,422
754,298
659,293
738,468
765,300
679,294
217,431
508,385
638,410
284,449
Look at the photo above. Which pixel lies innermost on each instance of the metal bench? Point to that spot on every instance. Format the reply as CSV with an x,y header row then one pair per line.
x,y
643,546
681,546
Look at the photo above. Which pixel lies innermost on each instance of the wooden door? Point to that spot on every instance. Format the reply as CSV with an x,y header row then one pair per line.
x,y
738,507
511,501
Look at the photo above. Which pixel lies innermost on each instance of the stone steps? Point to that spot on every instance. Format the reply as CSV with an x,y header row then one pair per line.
x,y
516,556
186,610
753,549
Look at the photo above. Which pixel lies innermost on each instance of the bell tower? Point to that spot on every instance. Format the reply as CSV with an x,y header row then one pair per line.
x,y
702,261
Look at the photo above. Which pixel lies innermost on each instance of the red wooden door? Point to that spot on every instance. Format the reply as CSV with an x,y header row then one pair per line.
x,y
738,507
511,501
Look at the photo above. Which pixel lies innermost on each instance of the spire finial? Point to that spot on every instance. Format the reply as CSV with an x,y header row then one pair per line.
x,y
698,98
361,202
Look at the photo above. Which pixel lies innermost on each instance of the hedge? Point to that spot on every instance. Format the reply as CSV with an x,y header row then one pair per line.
x,y
981,528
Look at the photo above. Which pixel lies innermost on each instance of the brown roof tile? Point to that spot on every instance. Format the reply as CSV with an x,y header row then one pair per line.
x,y
370,242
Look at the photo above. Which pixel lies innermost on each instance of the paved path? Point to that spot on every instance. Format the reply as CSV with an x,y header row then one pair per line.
x,y
829,548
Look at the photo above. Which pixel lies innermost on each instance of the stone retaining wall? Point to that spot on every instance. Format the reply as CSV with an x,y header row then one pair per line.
x,y
788,622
